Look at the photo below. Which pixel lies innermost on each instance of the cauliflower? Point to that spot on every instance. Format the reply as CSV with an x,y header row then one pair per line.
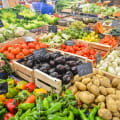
x,y
20,32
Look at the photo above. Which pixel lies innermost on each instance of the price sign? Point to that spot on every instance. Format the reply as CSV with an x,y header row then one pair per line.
x,y
98,58
115,23
20,17
52,29
3,88
1,23
84,69
40,52
69,43
29,38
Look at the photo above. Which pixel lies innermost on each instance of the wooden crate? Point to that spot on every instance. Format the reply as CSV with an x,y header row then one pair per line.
x,y
24,72
46,81
99,47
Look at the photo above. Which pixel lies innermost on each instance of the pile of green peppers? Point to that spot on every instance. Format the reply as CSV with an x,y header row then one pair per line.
x,y
3,111
54,107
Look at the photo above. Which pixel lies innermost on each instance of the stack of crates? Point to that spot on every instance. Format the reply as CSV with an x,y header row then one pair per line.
x,y
43,8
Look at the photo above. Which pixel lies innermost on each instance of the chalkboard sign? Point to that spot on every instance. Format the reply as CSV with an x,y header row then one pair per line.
x,y
3,88
29,38
40,52
52,29
84,69
69,43
1,23
98,58
20,17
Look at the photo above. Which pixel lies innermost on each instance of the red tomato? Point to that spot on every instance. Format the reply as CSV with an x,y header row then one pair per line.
x,y
43,45
20,55
10,56
63,46
25,51
15,51
31,50
37,47
24,46
6,53
31,45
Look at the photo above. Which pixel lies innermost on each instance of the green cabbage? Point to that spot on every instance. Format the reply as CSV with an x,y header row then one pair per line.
x,y
8,34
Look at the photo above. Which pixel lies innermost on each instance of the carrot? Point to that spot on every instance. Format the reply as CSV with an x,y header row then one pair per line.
x,y
30,99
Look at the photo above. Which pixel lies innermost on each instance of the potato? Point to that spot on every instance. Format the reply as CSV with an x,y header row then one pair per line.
x,y
104,81
113,96
73,89
103,90
88,85
86,80
94,89
86,97
100,98
98,75
115,118
118,104
77,95
96,82
118,94
80,86
118,87
102,105
116,114
115,82
105,114
76,78
111,104
110,90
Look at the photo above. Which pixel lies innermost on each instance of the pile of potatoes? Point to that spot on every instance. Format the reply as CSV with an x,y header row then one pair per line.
x,y
97,89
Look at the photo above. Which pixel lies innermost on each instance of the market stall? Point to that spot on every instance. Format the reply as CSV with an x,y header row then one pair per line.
x,y
60,66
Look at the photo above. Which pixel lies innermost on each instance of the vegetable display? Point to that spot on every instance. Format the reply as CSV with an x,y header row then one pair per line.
x,y
92,8
11,32
55,64
109,40
21,49
98,89
111,64
30,20
82,49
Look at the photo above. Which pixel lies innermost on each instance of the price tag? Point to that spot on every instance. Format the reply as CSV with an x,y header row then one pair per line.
x,y
3,88
115,23
69,43
1,23
84,69
29,38
52,29
40,52
20,17
98,58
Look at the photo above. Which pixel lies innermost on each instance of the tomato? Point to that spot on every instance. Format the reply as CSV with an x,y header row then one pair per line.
x,y
20,55
31,50
31,45
10,56
24,46
43,45
17,46
92,51
10,49
37,47
72,50
63,46
25,51
15,51
22,42
6,53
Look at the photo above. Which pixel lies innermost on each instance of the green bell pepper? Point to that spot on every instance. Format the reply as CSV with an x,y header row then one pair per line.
x,y
12,92
26,106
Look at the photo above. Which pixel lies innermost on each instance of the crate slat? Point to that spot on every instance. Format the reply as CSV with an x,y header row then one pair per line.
x,y
23,71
